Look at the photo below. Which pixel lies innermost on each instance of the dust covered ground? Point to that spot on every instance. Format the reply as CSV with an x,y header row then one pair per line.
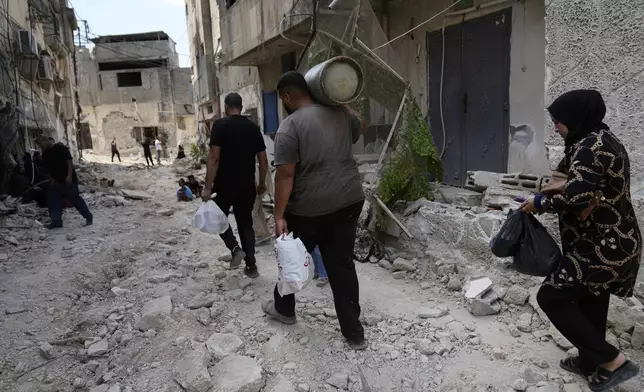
x,y
140,302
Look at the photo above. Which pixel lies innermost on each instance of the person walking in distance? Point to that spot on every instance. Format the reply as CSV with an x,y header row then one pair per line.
x,y
600,236
318,193
115,150
57,161
235,143
159,147
146,151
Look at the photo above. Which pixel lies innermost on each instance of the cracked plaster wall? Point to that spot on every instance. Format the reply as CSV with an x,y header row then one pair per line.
x,y
599,44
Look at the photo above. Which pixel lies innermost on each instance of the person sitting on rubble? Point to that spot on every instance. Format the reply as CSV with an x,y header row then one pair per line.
x,y
184,193
194,185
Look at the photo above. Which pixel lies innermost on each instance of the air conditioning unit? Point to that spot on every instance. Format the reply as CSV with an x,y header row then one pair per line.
x,y
27,44
46,69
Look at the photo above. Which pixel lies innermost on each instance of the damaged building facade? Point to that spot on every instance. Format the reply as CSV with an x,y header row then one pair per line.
x,y
37,80
482,71
132,88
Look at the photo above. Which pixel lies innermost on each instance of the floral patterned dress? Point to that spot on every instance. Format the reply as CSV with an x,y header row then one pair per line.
x,y
600,237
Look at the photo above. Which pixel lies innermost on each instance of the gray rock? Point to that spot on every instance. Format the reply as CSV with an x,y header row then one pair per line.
x,y
221,345
401,264
79,383
524,323
485,305
548,388
165,212
499,354
98,348
623,317
637,338
136,195
191,371
281,384
514,331
531,375
115,388
339,380
385,264
477,288
235,294
154,314
119,292
572,388
455,283
542,363
100,388
203,301
520,385
164,277
216,311
559,339
400,274
516,295
237,373
203,316
46,350
425,346
303,388
427,313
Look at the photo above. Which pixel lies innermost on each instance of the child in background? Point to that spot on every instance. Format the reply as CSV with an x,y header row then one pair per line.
x,y
194,185
320,271
184,193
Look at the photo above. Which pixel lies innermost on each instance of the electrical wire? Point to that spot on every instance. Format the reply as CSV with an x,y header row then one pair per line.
x,y
419,25
441,92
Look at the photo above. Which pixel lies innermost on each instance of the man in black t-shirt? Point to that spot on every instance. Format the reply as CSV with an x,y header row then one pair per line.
x,y
235,144
57,162
146,151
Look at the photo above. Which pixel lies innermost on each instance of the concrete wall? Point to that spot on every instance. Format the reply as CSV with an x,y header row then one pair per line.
x,y
598,44
526,152
144,50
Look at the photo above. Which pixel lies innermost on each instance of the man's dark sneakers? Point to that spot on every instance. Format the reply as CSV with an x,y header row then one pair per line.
x,y
251,271
53,227
89,222
238,256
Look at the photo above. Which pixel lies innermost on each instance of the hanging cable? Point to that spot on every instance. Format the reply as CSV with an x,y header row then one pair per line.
x,y
418,26
441,91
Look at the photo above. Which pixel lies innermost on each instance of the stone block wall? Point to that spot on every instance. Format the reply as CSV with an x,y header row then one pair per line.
x,y
598,44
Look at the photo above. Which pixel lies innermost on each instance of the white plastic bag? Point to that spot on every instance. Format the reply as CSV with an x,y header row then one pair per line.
x,y
210,219
294,264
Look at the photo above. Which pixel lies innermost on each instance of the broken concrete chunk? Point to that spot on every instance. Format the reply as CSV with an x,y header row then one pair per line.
x,y
531,375
118,292
281,384
477,287
385,264
100,388
237,373
165,212
524,323
203,301
339,380
520,385
499,354
559,339
98,348
460,196
136,195
221,345
46,350
154,313
516,295
485,305
115,388
427,313
425,346
637,338
164,277
191,371
401,264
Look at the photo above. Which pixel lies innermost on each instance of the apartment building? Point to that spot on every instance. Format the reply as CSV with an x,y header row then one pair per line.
x,y
131,87
37,80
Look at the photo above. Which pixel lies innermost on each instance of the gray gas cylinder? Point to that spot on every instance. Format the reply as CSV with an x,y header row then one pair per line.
x,y
337,81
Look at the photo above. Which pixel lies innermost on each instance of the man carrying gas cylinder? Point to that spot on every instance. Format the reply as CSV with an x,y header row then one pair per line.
x,y
318,194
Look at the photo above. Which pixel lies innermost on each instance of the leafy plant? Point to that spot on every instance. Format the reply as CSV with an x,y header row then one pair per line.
x,y
197,153
414,164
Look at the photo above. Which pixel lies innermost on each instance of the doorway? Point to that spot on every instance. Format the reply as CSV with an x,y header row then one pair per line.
x,y
474,76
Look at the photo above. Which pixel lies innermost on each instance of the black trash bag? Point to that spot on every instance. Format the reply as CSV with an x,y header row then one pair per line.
x,y
506,242
538,252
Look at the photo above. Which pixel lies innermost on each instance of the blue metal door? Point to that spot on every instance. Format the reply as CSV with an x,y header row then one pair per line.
x,y
271,118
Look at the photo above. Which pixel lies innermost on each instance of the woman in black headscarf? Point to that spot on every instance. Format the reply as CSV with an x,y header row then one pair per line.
x,y
600,237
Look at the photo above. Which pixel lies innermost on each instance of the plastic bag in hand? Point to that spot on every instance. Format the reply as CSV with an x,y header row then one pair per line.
x,y
294,264
210,219
506,242
538,252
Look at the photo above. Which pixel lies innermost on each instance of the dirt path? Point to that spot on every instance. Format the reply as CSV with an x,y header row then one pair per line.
x,y
143,259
